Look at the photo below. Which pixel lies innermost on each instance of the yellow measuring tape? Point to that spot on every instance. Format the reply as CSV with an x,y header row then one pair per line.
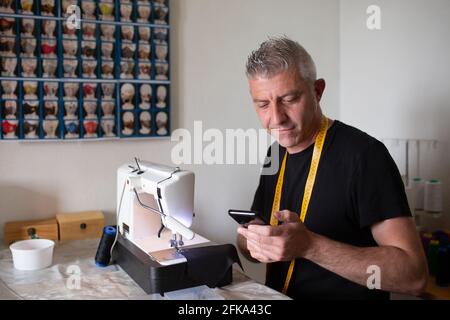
x,y
318,146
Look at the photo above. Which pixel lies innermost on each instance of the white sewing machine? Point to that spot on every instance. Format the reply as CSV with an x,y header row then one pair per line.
x,y
155,207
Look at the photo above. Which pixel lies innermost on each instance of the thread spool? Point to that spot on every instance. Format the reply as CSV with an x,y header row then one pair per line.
x,y
433,249
103,255
418,186
443,266
426,238
433,196
441,236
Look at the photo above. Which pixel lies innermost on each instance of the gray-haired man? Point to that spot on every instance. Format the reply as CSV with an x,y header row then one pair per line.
x,y
356,225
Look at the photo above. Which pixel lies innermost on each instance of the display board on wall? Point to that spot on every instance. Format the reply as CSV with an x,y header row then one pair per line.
x,y
84,69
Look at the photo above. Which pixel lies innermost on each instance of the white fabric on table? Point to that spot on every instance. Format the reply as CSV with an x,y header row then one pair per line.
x,y
99,283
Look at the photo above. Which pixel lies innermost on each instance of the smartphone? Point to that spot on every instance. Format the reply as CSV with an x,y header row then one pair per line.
x,y
244,217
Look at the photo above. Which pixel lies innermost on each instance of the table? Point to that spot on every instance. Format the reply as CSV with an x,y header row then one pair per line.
x,y
74,275
434,292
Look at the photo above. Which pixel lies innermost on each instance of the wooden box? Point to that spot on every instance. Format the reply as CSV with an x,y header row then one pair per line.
x,y
80,225
23,230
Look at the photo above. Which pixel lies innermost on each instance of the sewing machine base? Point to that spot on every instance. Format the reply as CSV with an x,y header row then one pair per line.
x,y
151,276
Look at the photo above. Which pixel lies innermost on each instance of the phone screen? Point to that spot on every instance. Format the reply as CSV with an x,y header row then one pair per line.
x,y
244,217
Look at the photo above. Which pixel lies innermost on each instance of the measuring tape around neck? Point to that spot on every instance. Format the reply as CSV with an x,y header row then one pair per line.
x,y
318,146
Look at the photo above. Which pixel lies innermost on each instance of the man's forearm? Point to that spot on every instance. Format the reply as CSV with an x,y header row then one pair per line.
x,y
353,263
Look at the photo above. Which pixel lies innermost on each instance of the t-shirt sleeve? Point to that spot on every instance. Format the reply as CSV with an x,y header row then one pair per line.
x,y
378,191
258,200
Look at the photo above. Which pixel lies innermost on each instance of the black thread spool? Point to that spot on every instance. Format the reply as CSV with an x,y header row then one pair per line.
x,y
103,255
443,266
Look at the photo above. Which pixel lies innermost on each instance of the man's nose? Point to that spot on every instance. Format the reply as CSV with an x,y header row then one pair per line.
x,y
278,116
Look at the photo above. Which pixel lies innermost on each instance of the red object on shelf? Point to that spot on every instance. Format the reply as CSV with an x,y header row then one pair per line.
x,y
88,89
90,126
6,23
8,127
47,49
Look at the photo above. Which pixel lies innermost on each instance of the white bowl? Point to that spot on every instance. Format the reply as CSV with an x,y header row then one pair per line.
x,y
32,254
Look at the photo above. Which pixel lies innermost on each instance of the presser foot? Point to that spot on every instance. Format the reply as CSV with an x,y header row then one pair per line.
x,y
176,243
167,256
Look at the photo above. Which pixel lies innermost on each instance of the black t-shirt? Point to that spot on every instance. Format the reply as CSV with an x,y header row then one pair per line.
x,y
357,185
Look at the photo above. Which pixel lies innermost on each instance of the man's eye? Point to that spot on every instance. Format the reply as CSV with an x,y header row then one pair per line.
x,y
262,105
290,99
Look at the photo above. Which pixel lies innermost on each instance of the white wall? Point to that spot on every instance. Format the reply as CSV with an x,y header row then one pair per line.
x,y
210,42
394,82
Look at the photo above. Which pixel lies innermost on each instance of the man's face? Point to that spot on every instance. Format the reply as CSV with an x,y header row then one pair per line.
x,y
286,105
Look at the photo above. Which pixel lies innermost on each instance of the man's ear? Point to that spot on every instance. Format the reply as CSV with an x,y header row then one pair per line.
x,y
319,88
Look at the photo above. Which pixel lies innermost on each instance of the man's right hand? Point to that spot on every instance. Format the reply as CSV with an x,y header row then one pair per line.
x,y
287,241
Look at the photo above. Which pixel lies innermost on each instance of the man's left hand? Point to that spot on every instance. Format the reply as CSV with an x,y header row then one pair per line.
x,y
284,242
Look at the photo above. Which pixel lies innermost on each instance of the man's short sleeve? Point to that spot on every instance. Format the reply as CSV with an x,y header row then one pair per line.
x,y
258,200
378,191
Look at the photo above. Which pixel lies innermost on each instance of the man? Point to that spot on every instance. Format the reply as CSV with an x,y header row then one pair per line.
x,y
357,226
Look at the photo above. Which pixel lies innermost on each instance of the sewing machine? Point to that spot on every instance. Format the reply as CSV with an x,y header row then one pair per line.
x,y
155,208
